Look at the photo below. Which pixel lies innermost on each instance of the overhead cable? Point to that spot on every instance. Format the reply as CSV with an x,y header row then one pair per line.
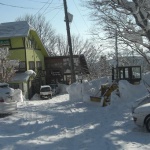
x,y
17,6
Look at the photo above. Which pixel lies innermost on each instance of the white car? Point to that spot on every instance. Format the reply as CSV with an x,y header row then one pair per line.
x,y
141,112
141,101
45,91
7,105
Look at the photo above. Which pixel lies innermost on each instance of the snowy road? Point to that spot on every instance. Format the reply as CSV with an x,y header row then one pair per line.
x,y
60,124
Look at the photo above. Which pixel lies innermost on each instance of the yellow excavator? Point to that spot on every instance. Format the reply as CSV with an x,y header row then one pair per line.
x,y
106,90
130,73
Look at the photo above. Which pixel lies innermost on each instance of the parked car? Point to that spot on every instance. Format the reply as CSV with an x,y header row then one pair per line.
x,y
45,92
141,101
141,112
7,105
55,88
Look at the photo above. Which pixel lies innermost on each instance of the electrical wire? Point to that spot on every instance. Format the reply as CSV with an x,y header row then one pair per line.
x,y
47,7
17,6
59,7
55,15
43,7
76,27
80,14
39,1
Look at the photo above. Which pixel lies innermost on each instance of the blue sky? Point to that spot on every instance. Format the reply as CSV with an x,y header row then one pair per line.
x,y
53,11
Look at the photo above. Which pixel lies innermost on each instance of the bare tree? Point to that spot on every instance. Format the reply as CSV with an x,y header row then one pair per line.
x,y
44,29
80,46
7,67
130,18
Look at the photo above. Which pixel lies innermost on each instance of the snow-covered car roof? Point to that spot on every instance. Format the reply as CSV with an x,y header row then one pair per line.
x,y
43,86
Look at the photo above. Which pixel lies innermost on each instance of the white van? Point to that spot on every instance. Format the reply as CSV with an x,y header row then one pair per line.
x,y
45,91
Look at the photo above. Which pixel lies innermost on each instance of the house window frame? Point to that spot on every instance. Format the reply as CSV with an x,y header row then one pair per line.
x,y
32,65
38,65
21,67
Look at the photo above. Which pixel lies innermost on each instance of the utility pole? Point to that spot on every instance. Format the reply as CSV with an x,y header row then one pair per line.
x,y
116,50
73,79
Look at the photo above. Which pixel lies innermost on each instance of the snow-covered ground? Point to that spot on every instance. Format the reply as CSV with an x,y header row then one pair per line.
x,y
72,122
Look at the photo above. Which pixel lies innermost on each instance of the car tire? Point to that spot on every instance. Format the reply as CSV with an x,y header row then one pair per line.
x,y
50,96
148,124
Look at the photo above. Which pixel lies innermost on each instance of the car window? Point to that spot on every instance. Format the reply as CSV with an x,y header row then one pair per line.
x,y
4,85
45,89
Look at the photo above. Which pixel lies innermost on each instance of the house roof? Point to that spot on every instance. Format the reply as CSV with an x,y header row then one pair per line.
x,y
20,29
22,77
15,29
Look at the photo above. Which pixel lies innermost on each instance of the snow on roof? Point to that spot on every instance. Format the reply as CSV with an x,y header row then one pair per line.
x,y
14,29
23,77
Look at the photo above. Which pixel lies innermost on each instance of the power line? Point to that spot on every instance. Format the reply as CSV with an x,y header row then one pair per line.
x,y
47,7
54,8
76,27
38,1
17,6
43,7
80,14
55,15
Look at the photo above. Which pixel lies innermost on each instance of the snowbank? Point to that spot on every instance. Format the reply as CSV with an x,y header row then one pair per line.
x,y
17,95
83,91
128,92
6,92
62,88
146,78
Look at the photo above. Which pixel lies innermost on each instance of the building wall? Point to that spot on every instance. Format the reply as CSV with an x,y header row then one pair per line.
x,y
18,54
58,69
17,42
26,49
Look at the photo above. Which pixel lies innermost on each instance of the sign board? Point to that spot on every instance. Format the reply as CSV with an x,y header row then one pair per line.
x,y
56,73
4,42
70,17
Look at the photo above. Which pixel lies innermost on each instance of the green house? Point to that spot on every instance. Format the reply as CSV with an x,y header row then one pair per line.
x,y
24,45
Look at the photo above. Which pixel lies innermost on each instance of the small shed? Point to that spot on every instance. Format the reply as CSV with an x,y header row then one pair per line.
x,y
129,73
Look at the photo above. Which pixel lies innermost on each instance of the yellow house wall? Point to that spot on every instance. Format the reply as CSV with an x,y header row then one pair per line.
x,y
34,55
40,57
17,42
18,54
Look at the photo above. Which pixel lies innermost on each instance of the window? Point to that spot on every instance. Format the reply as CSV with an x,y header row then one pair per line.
x,y
31,65
22,66
31,43
39,65
136,72
126,73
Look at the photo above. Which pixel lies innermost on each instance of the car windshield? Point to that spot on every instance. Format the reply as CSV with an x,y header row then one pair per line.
x,y
45,89
4,85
